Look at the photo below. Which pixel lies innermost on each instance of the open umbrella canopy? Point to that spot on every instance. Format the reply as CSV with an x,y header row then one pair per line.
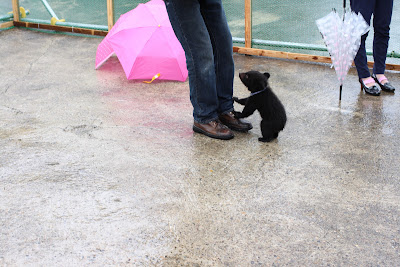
x,y
145,44
342,36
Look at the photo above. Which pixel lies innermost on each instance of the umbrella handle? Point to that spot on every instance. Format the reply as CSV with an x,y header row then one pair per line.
x,y
154,77
344,8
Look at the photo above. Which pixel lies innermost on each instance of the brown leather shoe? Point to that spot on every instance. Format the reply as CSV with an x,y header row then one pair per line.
x,y
213,129
233,123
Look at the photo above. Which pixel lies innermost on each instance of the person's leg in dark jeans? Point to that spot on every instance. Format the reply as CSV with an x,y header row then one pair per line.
x,y
221,40
190,29
381,22
201,28
366,8
383,10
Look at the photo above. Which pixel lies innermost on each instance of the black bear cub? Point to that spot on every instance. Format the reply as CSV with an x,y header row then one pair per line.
x,y
265,101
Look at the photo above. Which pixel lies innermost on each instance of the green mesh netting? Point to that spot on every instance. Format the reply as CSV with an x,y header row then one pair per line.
x,y
289,26
284,25
121,7
5,7
75,11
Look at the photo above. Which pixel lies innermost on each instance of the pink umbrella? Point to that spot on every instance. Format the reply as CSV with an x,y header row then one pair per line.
x,y
145,44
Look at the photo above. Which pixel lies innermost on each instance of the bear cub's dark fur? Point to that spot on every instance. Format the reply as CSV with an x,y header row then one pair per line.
x,y
265,101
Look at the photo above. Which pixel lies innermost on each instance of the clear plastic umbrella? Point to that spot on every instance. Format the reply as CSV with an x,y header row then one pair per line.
x,y
342,37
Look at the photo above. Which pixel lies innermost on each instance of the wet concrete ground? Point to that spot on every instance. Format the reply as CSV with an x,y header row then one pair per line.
x,y
98,170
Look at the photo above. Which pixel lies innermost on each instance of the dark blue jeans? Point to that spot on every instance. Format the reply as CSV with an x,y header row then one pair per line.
x,y
202,29
382,10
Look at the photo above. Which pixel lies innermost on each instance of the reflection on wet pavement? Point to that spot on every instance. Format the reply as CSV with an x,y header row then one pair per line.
x,y
96,169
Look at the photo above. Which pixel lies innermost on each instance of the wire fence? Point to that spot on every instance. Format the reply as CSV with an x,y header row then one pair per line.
x,y
283,25
5,8
290,26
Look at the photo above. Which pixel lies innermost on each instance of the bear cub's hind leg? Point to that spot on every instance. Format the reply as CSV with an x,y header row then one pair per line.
x,y
268,131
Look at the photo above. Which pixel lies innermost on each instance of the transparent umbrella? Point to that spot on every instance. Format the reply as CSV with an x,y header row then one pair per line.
x,y
342,37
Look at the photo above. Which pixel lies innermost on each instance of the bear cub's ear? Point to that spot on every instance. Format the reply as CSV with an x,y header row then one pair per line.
x,y
266,74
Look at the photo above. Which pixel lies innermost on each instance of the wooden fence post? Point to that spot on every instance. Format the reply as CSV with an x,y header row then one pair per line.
x,y
247,23
15,6
110,13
